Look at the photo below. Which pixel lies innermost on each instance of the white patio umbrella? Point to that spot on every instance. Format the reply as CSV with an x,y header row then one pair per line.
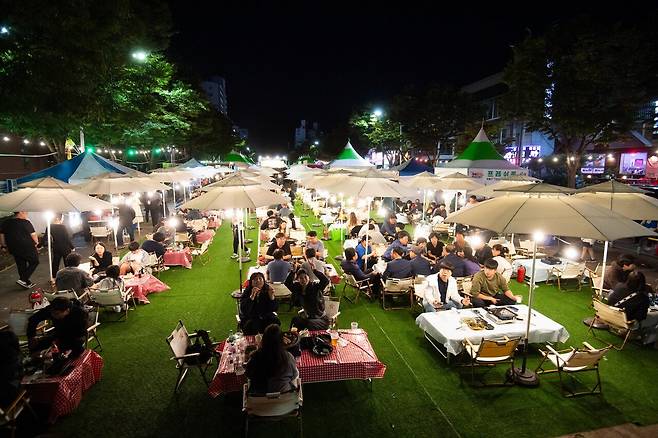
x,y
50,196
538,188
538,214
114,183
424,181
498,188
457,182
236,192
368,184
173,177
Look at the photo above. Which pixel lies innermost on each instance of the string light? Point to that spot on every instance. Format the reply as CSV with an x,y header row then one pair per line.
x,y
5,138
26,141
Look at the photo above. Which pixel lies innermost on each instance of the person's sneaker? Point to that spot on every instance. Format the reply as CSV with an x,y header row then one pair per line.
x,y
234,256
23,284
248,251
31,285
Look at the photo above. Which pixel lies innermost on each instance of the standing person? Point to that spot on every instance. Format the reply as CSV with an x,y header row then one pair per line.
x,y
235,227
587,249
126,217
155,207
60,242
146,202
19,238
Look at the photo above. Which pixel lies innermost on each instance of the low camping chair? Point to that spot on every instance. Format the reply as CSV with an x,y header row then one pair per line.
x,y
616,320
396,288
100,233
358,286
92,326
179,340
571,362
490,352
201,253
156,264
332,310
112,298
296,251
596,282
9,415
272,406
572,271
526,248
67,293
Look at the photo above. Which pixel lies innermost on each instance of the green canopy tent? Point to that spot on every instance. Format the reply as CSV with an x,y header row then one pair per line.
x,y
350,159
236,158
481,160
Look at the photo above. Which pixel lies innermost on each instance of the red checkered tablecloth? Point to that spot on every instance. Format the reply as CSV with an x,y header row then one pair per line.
x,y
178,258
354,361
64,393
204,235
144,285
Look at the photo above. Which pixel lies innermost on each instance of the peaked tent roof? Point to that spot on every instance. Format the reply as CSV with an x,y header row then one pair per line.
x,y
236,157
192,162
350,159
79,168
481,154
413,167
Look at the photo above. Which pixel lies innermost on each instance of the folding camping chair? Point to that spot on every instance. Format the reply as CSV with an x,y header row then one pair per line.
x,y
179,340
490,352
273,406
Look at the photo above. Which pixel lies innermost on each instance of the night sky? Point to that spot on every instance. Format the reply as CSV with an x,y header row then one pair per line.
x,y
284,63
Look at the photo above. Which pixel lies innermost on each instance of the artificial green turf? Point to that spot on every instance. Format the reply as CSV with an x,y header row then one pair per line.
x,y
419,396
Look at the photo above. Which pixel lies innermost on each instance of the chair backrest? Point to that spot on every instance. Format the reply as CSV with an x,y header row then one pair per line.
x,y
611,315
18,321
466,285
152,260
68,293
500,349
92,318
182,237
398,284
350,280
178,341
573,270
204,247
296,251
99,231
331,306
272,404
525,244
116,260
263,251
584,358
110,297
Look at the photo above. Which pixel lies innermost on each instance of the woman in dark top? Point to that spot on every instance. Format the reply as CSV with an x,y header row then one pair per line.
x,y
101,259
271,368
257,305
309,295
60,241
632,296
434,247
470,262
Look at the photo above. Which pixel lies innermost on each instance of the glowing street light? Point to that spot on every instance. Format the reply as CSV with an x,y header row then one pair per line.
x,y
378,113
4,30
140,55
5,138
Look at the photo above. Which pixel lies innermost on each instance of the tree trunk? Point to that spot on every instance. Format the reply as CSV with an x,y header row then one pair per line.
x,y
572,171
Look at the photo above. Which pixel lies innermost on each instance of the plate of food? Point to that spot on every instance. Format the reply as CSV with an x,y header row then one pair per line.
x,y
290,339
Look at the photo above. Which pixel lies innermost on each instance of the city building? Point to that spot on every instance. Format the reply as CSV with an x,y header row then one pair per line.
x,y
21,156
215,89
305,134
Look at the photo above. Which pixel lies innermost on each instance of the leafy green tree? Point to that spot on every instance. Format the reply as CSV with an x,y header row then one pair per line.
x,y
211,135
582,83
58,57
382,133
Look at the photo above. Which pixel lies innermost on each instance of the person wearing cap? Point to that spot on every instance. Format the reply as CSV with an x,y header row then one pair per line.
x,y
490,288
450,256
69,320
419,264
441,292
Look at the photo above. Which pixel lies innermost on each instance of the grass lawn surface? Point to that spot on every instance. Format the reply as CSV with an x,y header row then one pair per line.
x,y
420,395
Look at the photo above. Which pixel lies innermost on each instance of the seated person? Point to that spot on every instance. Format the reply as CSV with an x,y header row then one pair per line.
x,y
632,296
363,253
311,263
257,305
353,223
350,266
471,265
450,256
401,242
101,259
11,367
490,288
155,245
441,292
309,295
278,269
619,270
460,241
271,368
69,320
193,214
271,222
169,231
374,236
388,228
71,276
283,229
398,267
112,280
421,242
293,221
504,266
419,264
483,253
284,210
440,211
134,260
434,247
312,241
280,242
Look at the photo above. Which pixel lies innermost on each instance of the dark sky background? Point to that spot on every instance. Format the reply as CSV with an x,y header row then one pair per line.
x,y
298,61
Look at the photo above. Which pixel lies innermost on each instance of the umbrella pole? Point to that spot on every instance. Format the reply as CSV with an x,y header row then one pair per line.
x,y
173,190
50,249
605,260
424,203
240,252
367,229
524,376
164,205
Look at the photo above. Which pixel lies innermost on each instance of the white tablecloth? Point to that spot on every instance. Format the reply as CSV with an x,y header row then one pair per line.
x,y
446,328
541,269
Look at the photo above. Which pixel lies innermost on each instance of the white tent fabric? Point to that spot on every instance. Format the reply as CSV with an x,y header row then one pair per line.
x,y
350,159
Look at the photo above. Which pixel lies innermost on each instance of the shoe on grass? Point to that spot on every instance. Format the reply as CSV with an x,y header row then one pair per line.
x,y
234,256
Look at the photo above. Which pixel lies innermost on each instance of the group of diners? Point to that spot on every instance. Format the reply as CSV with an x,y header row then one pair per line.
x,y
627,288
441,263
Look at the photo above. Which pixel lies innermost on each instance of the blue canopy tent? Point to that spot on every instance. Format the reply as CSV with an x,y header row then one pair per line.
x,y
79,168
414,167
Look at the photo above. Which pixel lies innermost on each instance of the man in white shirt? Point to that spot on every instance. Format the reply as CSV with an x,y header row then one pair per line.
x,y
441,292
134,260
